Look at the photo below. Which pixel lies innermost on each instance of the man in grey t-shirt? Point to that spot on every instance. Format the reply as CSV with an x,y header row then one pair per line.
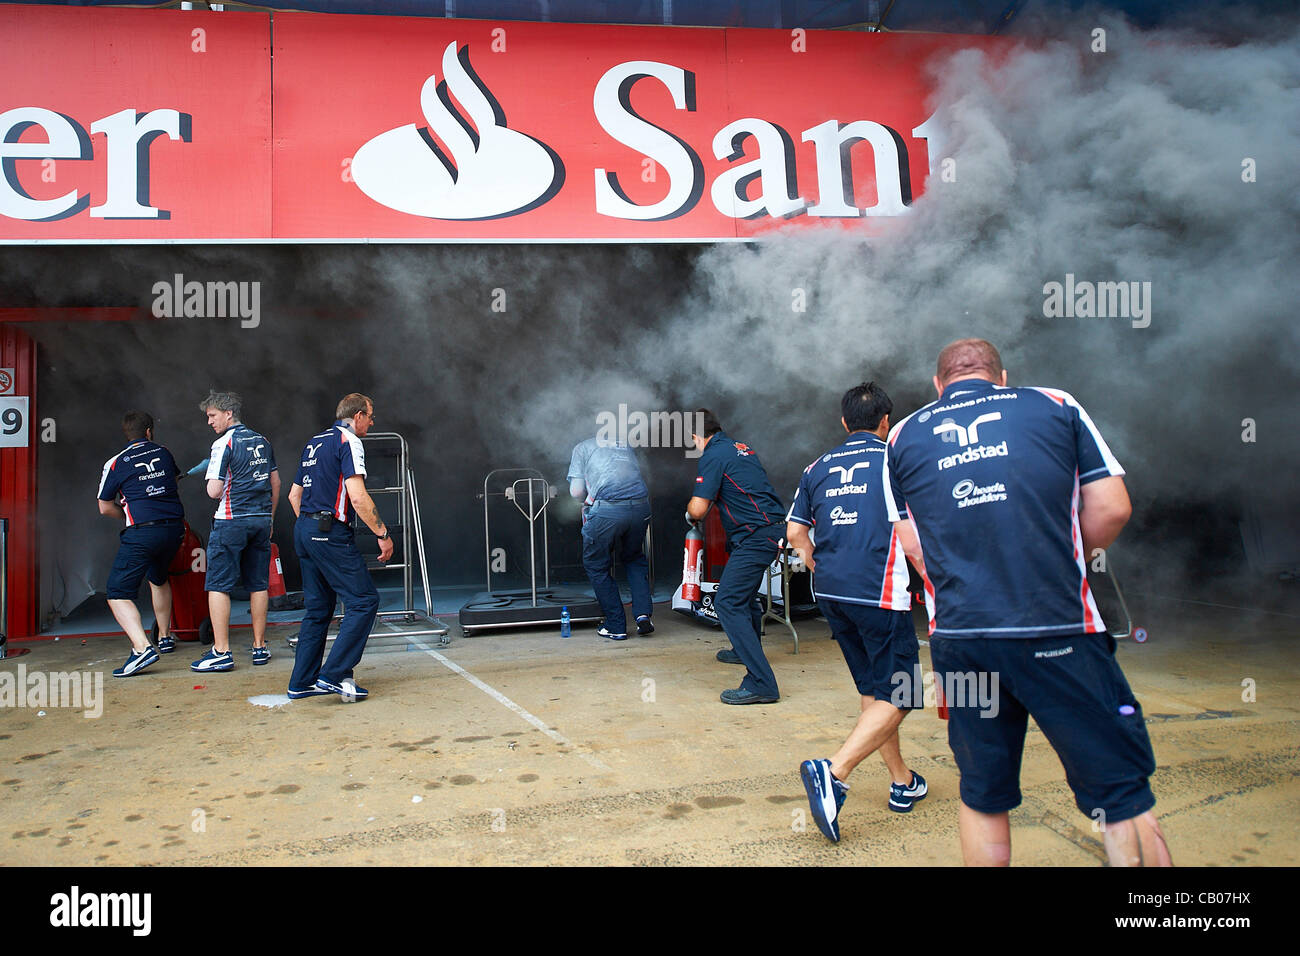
x,y
616,512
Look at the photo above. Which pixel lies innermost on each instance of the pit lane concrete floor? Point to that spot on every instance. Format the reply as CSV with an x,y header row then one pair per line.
x,y
635,761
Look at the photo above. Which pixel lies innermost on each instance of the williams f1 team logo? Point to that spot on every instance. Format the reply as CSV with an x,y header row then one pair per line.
x,y
466,164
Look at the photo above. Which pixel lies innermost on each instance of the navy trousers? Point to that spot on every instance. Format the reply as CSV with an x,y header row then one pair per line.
x,y
739,612
620,525
332,568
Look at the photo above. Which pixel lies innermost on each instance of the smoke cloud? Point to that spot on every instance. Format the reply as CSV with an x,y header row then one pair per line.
x,y
1166,161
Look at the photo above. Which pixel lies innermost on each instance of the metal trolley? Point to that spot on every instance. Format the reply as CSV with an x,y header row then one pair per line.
x,y
409,527
528,490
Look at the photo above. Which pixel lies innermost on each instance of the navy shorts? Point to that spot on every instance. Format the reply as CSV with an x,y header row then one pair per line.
x,y
145,551
880,648
239,548
1076,693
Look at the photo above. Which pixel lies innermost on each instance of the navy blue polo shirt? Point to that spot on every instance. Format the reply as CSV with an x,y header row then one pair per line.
x,y
859,557
327,461
244,461
990,477
731,474
144,475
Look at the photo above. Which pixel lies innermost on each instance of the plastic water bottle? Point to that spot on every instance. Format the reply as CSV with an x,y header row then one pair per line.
x,y
565,628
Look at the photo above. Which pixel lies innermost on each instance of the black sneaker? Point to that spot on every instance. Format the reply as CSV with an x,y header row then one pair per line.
x,y
738,695
644,625
728,655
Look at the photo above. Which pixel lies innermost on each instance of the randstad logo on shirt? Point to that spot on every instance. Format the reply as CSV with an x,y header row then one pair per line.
x,y
834,492
148,466
974,454
968,493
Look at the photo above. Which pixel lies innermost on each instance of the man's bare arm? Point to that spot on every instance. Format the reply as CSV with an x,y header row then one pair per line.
x,y
698,507
295,498
275,490
111,508
906,532
1104,510
797,535
216,487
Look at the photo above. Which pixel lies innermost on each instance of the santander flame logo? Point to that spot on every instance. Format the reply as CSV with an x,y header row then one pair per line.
x,y
477,168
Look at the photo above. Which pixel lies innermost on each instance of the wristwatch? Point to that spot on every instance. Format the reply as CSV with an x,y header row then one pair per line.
x,y
385,536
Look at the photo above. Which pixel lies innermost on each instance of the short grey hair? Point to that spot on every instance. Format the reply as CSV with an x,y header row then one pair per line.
x,y
223,402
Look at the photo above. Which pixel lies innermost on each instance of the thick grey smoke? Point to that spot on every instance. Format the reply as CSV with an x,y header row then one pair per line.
x,y
1124,166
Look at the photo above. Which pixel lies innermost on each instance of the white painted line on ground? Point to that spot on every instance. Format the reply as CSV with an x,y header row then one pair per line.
x,y
510,704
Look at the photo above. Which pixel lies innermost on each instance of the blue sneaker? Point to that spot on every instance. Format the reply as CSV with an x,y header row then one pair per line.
x,y
312,691
603,631
826,795
902,796
214,660
137,662
261,655
644,625
166,644
346,688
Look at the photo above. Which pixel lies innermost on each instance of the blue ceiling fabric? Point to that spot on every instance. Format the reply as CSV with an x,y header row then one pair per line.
x,y
943,16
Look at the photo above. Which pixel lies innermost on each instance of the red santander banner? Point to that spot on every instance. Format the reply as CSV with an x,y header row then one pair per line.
x,y
134,125
457,130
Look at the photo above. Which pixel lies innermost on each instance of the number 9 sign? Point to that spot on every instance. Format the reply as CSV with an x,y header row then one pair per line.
x,y
13,421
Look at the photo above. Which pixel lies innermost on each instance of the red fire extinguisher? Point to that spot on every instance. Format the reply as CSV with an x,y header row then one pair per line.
x,y
693,563
275,587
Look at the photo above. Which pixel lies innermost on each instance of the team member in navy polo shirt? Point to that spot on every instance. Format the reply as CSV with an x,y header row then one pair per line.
x,y
860,581
329,487
138,485
1009,492
616,513
752,517
241,475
